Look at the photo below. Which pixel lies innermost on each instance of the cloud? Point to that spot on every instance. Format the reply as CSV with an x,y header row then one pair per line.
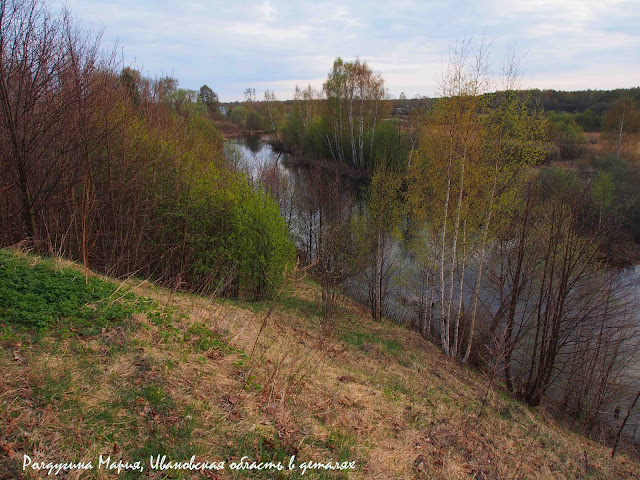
x,y
265,33
341,15
267,12
273,43
601,76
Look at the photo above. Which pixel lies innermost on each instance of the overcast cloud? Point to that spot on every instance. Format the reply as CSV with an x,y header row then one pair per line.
x,y
271,44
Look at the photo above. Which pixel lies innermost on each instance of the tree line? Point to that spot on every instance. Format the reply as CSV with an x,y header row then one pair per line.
x,y
353,105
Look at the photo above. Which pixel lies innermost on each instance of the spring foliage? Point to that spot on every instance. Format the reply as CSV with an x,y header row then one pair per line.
x,y
124,173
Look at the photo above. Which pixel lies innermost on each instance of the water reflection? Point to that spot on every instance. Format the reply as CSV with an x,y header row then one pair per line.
x,y
300,189
251,155
253,143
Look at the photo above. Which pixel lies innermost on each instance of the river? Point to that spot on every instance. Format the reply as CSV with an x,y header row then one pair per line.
x,y
291,183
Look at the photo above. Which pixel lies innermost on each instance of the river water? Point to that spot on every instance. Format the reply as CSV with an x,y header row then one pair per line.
x,y
255,156
405,287
252,154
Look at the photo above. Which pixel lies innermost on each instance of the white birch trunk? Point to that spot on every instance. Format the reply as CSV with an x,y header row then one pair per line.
x,y
444,331
620,134
460,300
455,237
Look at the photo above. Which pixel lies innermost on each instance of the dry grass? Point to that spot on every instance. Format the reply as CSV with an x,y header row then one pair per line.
x,y
184,384
606,143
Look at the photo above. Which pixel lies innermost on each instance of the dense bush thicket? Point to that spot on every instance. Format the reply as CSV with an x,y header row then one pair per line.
x,y
391,145
567,134
121,172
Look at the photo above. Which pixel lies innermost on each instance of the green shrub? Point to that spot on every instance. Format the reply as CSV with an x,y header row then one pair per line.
x,y
254,120
236,239
567,135
238,115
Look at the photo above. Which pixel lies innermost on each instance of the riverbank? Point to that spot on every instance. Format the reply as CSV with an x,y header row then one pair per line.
x,y
261,141
311,161
339,169
231,130
222,379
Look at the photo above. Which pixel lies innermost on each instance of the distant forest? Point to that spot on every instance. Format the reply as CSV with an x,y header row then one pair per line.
x,y
588,106
596,102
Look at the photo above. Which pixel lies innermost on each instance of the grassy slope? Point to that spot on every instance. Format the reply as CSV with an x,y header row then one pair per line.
x,y
186,376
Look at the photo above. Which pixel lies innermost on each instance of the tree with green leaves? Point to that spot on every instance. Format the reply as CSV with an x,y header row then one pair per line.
x,y
303,130
274,111
376,229
208,97
567,135
354,109
473,149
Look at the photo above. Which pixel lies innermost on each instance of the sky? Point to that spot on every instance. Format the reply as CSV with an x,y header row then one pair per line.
x,y
275,45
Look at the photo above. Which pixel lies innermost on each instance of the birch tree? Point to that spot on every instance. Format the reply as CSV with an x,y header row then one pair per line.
x,y
453,140
354,107
474,147
622,119
272,110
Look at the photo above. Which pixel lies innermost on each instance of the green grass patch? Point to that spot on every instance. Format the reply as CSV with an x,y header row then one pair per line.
x,y
393,389
155,423
53,388
342,444
203,339
437,396
508,398
286,303
300,306
365,340
35,295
